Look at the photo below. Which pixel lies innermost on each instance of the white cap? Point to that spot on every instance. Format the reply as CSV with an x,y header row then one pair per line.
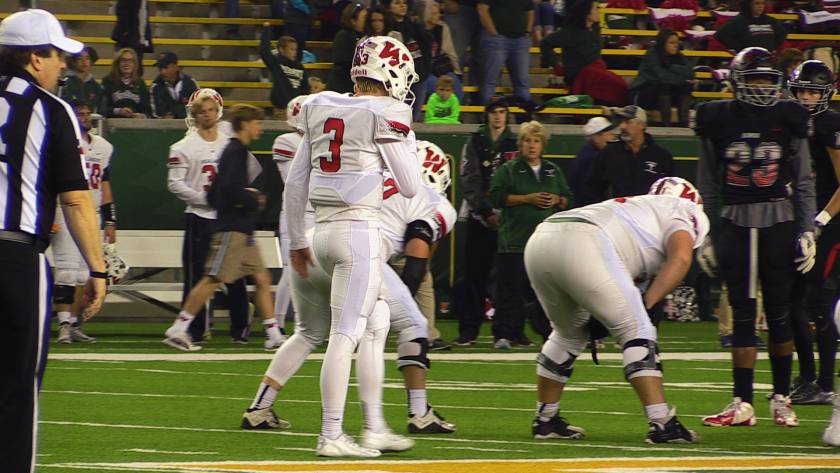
x,y
596,125
36,28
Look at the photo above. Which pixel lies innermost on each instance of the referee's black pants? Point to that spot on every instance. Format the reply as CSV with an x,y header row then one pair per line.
x,y
25,284
194,258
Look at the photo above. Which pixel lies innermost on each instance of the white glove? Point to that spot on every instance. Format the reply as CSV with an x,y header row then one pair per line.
x,y
706,258
807,252
820,221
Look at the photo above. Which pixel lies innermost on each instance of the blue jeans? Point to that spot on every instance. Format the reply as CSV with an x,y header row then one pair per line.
x,y
499,51
422,91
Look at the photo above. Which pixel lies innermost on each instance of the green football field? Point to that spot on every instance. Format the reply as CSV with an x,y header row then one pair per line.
x,y
129,403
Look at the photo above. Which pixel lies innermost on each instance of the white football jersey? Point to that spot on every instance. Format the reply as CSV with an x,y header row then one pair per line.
x,y
98,154
283,151
192,167
398,211
640,227
346,177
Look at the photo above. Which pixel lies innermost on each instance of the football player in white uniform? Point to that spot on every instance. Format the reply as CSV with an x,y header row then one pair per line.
x,y
192,167
71,271
413,223
348,141
624,242
283,150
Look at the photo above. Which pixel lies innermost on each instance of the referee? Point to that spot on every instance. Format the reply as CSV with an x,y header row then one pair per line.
x,y
40,159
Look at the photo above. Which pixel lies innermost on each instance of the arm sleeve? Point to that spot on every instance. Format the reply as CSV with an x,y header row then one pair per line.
x,y
500,187
803,183
297,194
265,50
106,108
729,34
471,180
68,161
456,111
548,58
709,183
144,100
563,189
401,159
228,189
157,105
176,181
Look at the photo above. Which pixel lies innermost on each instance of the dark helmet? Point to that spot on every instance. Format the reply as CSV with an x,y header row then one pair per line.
x,y
753,64
813,75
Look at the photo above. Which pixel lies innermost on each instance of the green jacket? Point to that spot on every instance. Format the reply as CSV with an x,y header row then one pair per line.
x,y
518,222
438,111
651,71
76,90
172,98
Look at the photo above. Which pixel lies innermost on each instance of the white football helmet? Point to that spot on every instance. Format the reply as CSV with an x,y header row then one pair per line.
x,y
679,187
198,95
293,112
434,166
115,266
386,60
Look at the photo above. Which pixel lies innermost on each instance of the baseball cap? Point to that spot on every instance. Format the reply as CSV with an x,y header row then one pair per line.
x,y
631,111
165,59
36,27
596,125
495,102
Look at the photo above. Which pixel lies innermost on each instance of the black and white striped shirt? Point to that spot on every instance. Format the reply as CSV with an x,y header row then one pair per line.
x,y
40,155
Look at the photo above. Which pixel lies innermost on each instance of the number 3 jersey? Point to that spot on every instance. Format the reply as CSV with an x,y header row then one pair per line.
x,y
192,167
97,154
347,166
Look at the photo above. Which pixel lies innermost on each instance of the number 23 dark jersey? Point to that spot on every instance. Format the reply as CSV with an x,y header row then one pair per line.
x,y
754,146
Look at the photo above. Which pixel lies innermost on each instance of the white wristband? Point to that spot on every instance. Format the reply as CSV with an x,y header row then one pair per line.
x,y
822,218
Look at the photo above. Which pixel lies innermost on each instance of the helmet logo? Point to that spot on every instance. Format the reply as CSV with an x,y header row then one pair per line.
x,y
390,51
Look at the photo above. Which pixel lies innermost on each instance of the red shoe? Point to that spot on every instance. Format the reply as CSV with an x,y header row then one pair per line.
x,y
736,414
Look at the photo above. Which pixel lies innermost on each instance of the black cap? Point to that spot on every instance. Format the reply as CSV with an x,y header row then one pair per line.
x,y
165,59
495,102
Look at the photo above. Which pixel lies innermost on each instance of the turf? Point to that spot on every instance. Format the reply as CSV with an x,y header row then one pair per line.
x,y
175,411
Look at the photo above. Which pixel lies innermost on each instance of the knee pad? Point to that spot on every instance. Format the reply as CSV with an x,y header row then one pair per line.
x,y
63,294
778,326
414,353
641,358
556,361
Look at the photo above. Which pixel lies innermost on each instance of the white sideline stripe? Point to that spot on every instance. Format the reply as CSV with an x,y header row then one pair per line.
x,y
168,452
183,429
296,449
531,356
505,450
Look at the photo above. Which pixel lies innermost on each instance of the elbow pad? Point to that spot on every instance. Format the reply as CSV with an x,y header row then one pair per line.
x,y
413,273
419,229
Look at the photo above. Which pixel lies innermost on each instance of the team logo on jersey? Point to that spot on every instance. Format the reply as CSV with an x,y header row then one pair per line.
x,y
549,172
398,127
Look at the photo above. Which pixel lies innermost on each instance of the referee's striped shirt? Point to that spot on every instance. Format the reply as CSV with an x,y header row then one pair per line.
x,y
40,155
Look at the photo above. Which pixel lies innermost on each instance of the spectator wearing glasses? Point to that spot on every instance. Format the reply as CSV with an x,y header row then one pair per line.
x,y
125,93
353,19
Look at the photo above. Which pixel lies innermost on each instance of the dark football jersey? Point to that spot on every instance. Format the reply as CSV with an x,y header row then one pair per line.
x,y
824,133
754,145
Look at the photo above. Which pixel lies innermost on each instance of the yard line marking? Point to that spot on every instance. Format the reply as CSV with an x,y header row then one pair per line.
x,y
149,450
183,429
296,449
477,449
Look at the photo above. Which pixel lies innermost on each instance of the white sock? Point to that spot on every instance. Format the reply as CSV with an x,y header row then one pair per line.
x,y
331,423
547,410
374,418
264,398
370,370
272,331
182,322
335,378
63,317
74,321
657,413
417,403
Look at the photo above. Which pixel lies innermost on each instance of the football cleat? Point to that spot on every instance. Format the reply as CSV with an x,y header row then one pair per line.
x,y
831,436
343,446
272,344
263,419
810,393
179,340
555,428
438,345
431,423
64,333
736,414
670,432
464,342
386,441
78,336
782,413
502,344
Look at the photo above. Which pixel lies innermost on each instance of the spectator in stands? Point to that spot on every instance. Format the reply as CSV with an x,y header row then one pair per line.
x,y
752,27
172,89
789,60
316,85
584,70
133,29
443,106
288,77
344,47
630,165
487,149
297,20
598,132
664,79
419,42
462,18
381,23
528,189
80,85
443,55
125,94
543,20
505,42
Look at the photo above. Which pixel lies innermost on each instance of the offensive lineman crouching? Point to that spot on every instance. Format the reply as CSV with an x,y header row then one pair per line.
x,y
623,241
